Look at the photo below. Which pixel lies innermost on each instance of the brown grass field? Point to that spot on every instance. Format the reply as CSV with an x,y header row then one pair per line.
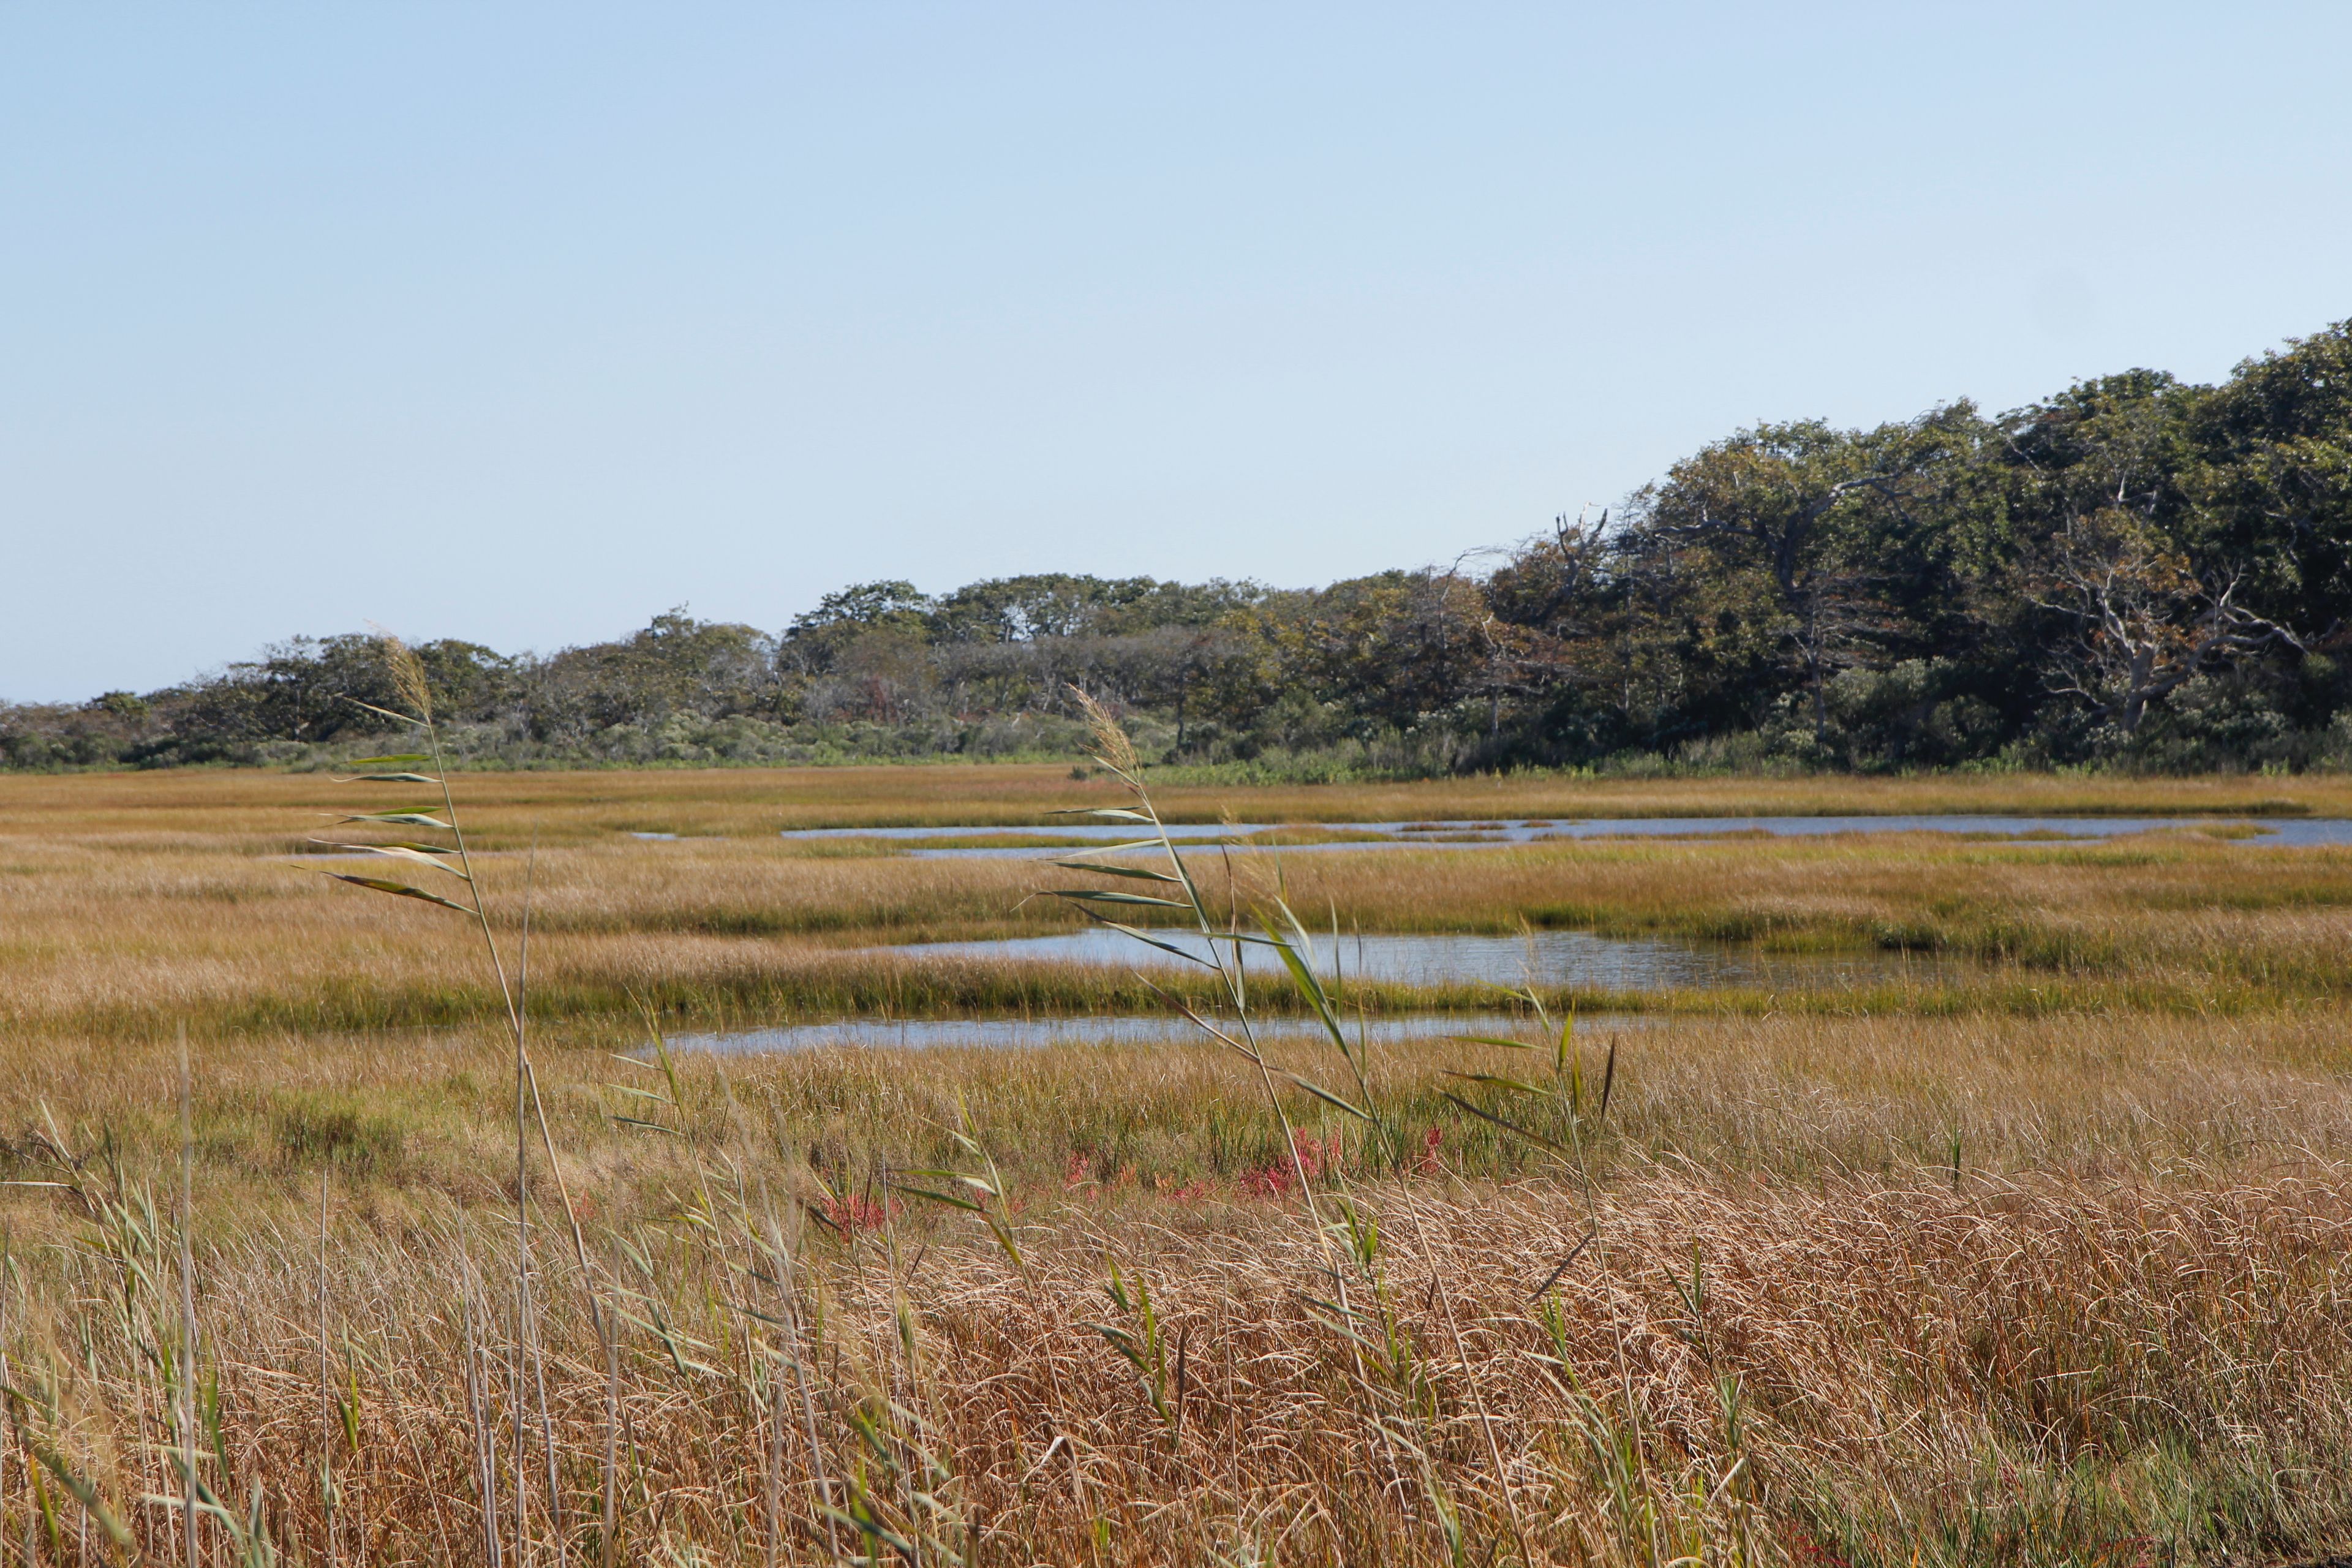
x,y
2042,1262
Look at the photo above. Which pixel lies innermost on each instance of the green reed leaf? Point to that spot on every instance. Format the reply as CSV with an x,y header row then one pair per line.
x,y
1328,1098
1508,1126
1145,938
1138,872
948,1198
398,889
84,1493
1499,1082
1091,895
1126,847
417,854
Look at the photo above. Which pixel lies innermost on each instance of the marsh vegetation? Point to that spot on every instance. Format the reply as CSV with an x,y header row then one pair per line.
x,y
2036,1261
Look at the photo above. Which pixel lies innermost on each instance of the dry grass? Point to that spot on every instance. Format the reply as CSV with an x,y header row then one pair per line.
x,y
2032,1357
411,1120
1867,1371
1950,1278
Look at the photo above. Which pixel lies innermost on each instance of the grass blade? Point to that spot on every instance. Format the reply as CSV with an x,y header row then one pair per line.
x,y
398,889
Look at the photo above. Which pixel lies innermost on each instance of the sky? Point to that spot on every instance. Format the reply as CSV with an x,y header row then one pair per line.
x,y
525,322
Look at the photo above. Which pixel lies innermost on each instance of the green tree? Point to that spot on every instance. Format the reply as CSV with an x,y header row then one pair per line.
x,y
816,637
1814,537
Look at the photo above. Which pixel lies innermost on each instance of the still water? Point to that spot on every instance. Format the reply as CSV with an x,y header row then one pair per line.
x,y
2288,832
1547,959
1035,1034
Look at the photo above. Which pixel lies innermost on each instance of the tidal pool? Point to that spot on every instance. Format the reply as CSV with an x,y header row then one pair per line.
x,y
1549,960
1546,959
2286,832
1035,1034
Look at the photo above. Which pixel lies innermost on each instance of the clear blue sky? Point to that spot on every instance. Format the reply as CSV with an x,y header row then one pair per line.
x,y
525,322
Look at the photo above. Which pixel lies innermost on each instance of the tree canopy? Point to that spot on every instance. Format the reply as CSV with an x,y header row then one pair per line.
x,y
2135,571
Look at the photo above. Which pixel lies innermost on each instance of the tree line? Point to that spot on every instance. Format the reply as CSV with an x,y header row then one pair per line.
x,y
2138,571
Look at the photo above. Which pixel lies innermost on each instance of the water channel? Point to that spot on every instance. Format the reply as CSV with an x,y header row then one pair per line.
x,y
2280,832
1549,959
1038,1034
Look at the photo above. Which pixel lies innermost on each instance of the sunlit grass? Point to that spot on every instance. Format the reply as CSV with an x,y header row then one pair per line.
x,y
119,924
1968,1270
1972,1280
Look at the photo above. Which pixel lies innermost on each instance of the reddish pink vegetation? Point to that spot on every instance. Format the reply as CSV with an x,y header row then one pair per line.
x,y
1803,1546
1270,1181
1314,1157
857,1212
1310,1157
1079,1172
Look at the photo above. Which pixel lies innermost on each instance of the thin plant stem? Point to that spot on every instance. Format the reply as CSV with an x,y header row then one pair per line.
x,y
326,1385
187,1311
609,1536
522,1186
788,1296
485,1468
1444,1293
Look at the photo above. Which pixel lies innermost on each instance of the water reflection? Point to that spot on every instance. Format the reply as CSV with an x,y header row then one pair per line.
x,y
2303,832
1036,1033
1547,959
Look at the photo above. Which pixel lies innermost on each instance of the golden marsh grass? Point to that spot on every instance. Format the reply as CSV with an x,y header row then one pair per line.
x,y
505,806
119,923
2042,1264
1978,1292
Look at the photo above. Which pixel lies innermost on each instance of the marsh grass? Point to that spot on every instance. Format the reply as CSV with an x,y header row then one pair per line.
x,y
2043,1267
120,933
2020,1356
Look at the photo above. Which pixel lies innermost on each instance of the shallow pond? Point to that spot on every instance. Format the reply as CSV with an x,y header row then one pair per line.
x,y
2297,832
1036,1033
1546,959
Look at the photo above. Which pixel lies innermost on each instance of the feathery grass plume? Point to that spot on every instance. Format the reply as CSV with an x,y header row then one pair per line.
x,y
413,689
1112,748
407,672
1115,755
1226,949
